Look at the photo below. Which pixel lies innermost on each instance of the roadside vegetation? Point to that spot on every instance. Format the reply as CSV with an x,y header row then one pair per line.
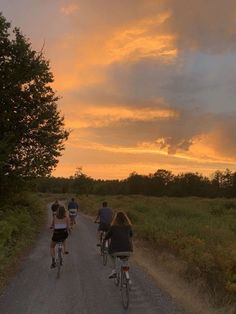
x,y
20,220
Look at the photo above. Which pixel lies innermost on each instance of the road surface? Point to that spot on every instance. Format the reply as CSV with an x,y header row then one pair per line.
x,y
84,287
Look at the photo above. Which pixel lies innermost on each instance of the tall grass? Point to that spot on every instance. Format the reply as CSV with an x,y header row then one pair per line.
x,y
20,220
201,232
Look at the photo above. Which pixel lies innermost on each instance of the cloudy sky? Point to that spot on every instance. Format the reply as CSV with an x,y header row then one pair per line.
x,y
145,84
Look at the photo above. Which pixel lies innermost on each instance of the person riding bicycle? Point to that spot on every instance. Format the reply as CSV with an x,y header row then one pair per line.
x,y
120,235
60,233
104,218
54,209
73,208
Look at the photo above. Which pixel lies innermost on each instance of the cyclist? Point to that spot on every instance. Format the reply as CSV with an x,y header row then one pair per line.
x,y
54,209
120,235
73,210
104,218
60,233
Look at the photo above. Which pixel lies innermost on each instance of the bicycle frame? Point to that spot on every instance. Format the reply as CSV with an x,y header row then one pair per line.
x,y
59,254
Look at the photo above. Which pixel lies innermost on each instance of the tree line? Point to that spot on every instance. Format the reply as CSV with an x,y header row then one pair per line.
x,y
160,183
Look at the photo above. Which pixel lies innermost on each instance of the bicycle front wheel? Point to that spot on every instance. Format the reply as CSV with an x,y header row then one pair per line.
x,y
124,286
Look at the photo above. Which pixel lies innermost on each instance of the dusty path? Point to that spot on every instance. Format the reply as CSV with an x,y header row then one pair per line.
x,y
84,287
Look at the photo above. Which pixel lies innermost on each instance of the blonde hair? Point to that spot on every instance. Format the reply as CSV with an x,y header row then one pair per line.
x,y
121,219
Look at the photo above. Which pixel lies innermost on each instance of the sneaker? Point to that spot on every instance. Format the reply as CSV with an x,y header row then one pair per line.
x,y
112,274
53,265
66,252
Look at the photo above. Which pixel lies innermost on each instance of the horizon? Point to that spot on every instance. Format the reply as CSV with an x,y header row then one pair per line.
x,y
151,87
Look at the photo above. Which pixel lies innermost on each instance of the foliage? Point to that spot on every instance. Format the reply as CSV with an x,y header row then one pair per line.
x,y
161,183
32,130
20,219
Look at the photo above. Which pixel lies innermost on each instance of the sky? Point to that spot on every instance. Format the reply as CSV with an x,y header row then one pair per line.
x,y
144,84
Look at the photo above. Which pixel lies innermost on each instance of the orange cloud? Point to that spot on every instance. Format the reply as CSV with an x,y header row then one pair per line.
x,y
104,116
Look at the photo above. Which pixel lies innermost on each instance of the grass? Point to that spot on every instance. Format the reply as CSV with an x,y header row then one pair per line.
x,y
200,232
20,221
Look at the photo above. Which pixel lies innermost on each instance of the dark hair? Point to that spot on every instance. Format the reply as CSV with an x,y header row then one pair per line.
x,y
121,219
72,199
61,212
104,204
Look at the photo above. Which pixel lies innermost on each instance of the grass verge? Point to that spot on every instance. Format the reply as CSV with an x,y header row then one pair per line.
x,y
20,221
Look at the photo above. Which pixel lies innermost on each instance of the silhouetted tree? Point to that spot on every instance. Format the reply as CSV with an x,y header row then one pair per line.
x,y
32,129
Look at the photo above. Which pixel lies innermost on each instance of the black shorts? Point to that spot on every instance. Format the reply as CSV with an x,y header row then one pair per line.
x,y
59,235
103,227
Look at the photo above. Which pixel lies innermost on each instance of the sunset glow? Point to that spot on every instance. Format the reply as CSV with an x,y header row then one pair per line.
x,y
144,85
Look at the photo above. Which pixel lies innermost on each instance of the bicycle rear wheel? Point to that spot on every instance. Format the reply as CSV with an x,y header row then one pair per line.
x,y
124,286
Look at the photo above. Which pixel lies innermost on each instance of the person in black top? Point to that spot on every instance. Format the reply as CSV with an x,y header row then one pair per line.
x,y
120,235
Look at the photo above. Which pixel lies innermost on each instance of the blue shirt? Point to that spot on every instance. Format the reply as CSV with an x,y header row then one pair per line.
x,y
73,205
105,215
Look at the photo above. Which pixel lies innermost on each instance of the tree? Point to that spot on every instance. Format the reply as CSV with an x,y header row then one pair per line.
x,y
32,129
82,184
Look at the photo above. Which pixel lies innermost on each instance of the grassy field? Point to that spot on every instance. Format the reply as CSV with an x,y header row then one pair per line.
x,y
199,232
20,220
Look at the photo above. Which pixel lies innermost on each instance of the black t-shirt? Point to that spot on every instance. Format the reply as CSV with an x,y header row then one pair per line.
x,y
120,239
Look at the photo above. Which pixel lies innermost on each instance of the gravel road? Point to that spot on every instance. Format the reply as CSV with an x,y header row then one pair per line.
x,y
84,287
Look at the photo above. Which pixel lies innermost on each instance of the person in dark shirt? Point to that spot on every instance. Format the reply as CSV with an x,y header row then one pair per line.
x,y
120,235
73,208
104,218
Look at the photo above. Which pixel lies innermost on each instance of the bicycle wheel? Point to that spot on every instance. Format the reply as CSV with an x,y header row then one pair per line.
x,y
124,286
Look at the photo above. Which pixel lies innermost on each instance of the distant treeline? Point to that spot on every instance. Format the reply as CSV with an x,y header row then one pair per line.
x,y
160,183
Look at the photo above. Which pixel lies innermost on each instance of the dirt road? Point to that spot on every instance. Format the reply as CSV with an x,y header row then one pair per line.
x,y
84,287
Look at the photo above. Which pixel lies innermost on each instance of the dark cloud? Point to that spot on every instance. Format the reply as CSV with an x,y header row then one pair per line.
x,y
208,26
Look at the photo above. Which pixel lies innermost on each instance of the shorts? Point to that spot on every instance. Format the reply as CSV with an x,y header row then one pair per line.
x,y
103,227
72,214
59,235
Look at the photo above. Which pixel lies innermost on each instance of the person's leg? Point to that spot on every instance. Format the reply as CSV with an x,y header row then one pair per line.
x,y
52,249
64,247
113,260
99,232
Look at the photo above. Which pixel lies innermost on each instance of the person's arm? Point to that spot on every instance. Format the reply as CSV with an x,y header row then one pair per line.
x,y
108,234
131,232
67,224
98,216
53,222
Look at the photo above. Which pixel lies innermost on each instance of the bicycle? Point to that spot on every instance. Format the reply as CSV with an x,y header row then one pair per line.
x,y
122,279
59,257
103,247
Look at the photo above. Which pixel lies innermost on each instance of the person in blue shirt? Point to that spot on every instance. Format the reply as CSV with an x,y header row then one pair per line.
x,y
73,208
104,218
